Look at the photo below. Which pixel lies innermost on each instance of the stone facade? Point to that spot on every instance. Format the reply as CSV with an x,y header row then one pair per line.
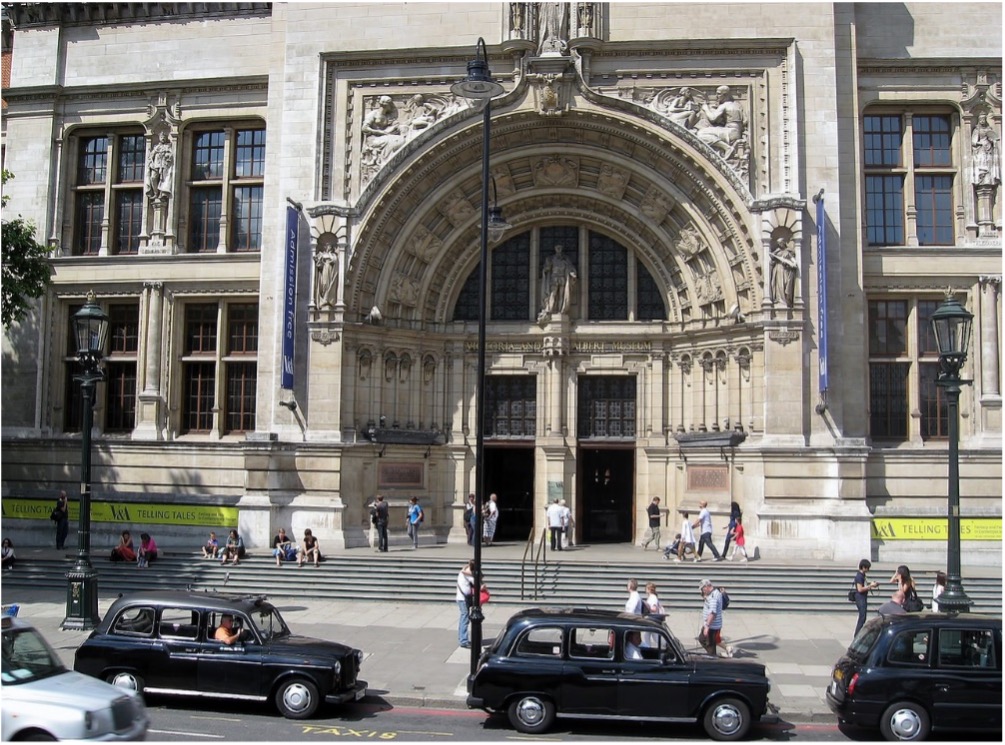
x,y
676,151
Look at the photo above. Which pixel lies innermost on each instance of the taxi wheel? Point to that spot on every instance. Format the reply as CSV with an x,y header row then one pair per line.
x,y
297,698
125,679
531,714
727,719
905,721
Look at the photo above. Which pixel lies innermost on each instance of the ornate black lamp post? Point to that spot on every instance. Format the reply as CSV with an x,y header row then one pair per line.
x,y
91,326
479,85
952,324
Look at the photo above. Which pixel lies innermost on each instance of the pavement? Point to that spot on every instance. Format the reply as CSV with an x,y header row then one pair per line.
x,y
412,657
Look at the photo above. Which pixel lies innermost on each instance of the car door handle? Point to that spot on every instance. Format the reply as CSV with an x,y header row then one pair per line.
x,y
608,672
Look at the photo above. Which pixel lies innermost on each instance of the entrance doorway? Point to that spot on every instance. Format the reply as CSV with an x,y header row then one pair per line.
x,y
606,486
509,473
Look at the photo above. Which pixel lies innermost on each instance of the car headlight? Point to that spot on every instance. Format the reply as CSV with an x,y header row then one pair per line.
x,y
337,667
359,657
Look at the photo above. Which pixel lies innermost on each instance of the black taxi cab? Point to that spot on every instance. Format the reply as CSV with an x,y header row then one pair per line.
x,y
163,642
595,664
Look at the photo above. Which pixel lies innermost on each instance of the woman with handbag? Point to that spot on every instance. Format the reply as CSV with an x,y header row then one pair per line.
x,y
61,516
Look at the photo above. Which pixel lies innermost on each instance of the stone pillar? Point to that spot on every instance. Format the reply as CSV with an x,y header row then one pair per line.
x,y
149,414
990,359
324,384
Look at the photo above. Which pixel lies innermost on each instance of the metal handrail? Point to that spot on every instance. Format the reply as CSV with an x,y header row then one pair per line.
x,y
542,557
538,557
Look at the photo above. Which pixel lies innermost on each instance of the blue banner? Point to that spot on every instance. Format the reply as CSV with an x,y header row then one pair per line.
x,y
290,295
822,288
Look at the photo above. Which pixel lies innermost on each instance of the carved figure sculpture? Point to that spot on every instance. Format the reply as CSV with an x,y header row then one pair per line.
x,y
325,271
986,155
723,125
381,134
160,168
783,273
553,24
557,278
683,109
586,19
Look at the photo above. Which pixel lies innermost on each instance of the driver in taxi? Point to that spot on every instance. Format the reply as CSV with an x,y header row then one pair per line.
x,y
225,632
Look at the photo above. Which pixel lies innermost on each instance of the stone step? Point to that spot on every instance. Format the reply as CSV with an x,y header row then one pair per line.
x,y
764,588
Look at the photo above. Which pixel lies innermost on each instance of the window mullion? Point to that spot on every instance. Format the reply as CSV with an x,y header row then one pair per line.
x,y
910,198
219,382
111,151
225,195
914,376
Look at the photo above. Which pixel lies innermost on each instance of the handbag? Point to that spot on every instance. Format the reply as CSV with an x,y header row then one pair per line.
x,y
55,514
912,603
851,595
702,638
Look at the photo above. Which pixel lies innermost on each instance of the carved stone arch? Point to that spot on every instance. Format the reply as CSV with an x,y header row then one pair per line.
x,y
657,162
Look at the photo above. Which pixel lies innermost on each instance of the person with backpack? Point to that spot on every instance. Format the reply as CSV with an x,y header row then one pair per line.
x,y
912,603
860,593
414,519
711,616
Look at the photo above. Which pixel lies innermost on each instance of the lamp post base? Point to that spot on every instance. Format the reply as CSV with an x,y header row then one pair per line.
x,y
954,599
81,598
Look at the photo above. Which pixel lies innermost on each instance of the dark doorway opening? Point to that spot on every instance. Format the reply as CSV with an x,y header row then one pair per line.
x,y
509,473
606,486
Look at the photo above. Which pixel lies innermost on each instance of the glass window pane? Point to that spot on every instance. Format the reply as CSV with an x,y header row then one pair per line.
x,y
207,156
242,327
510,406
884,210
882,140
887,328
200,328
123,328
606,406
934,197
510,292
608,280
650,305
249,159
120,396
204,217
466,308
90,213
931,140
199,384
934,419
131,159
128,221
247,219
241,390
92,161
888,405
926,335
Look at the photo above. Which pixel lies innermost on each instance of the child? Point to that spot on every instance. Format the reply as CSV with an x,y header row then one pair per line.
x,y
212,547
672,549
739,541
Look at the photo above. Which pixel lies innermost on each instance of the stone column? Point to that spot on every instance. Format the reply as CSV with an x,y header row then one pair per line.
x,y
150,412
990,360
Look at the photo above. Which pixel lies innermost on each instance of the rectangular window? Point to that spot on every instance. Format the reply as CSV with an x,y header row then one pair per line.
x,y
128,221
207,156
120,381
884,209
206,211
89,215
608,279
250,159
931,140
241,390
887,328
247,219
242,328
200,385
200,329
882,140
888,400
606,406
123,329
510,281
933,196
934,412
510,406
651,305
131,159
92,165
108,186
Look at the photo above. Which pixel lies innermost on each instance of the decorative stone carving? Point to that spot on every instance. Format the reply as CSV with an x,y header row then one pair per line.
x,y
689,243
325,271
554,346
365,363
586,17
404,290
783,336
708,287
550,92
503,181
160,168
425,245
557,280
518,18
552,29
656,204
456,208
985,144
390,363
555,170
324,336
613,181
784,269
428,369
404,368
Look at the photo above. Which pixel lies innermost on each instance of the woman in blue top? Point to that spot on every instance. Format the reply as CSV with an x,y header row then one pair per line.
x,y
414,519
734,514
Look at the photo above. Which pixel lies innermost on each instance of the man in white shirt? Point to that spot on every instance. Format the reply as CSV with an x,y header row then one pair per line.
x,y
555,513
704,525
634,602
686,539
566,524
633,639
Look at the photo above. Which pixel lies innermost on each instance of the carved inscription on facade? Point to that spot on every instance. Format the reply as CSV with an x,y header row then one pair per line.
x,y
708,479
399,475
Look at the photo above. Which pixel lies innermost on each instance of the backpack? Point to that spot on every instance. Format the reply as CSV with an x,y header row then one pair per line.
x,y
422,515
725,597
373,516
646,610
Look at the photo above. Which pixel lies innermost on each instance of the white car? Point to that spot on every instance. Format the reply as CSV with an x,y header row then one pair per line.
x,y
42,700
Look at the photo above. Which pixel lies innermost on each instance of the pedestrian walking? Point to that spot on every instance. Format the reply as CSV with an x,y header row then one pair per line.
x,y
554,514
465,599
491,520
740,539
861,593
469,518
381,514
686,542
711,617
735,513
704,525
653,511
634,602
61,516
655,610
568,525
414,519
937,589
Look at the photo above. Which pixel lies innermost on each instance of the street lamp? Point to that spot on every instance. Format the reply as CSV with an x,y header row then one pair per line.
x,y
480,86
90,327
951,323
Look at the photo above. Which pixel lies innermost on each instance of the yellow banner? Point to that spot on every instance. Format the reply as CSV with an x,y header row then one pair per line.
x,y
146,513
935,528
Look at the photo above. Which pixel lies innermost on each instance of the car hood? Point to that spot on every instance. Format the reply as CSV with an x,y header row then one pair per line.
x,y
67,689
296,644
723,666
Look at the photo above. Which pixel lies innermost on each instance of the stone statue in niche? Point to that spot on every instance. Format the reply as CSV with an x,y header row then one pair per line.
x,y
517,20
390,362
160,168
365,361
585,20
557,280
783,273
428,370
325,271
986,154
404,369
553,29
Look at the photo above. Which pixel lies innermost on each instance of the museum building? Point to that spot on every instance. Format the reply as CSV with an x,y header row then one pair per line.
x,y
727,227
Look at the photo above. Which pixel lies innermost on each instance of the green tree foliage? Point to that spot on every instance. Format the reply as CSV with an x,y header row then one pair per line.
x,y
26,270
